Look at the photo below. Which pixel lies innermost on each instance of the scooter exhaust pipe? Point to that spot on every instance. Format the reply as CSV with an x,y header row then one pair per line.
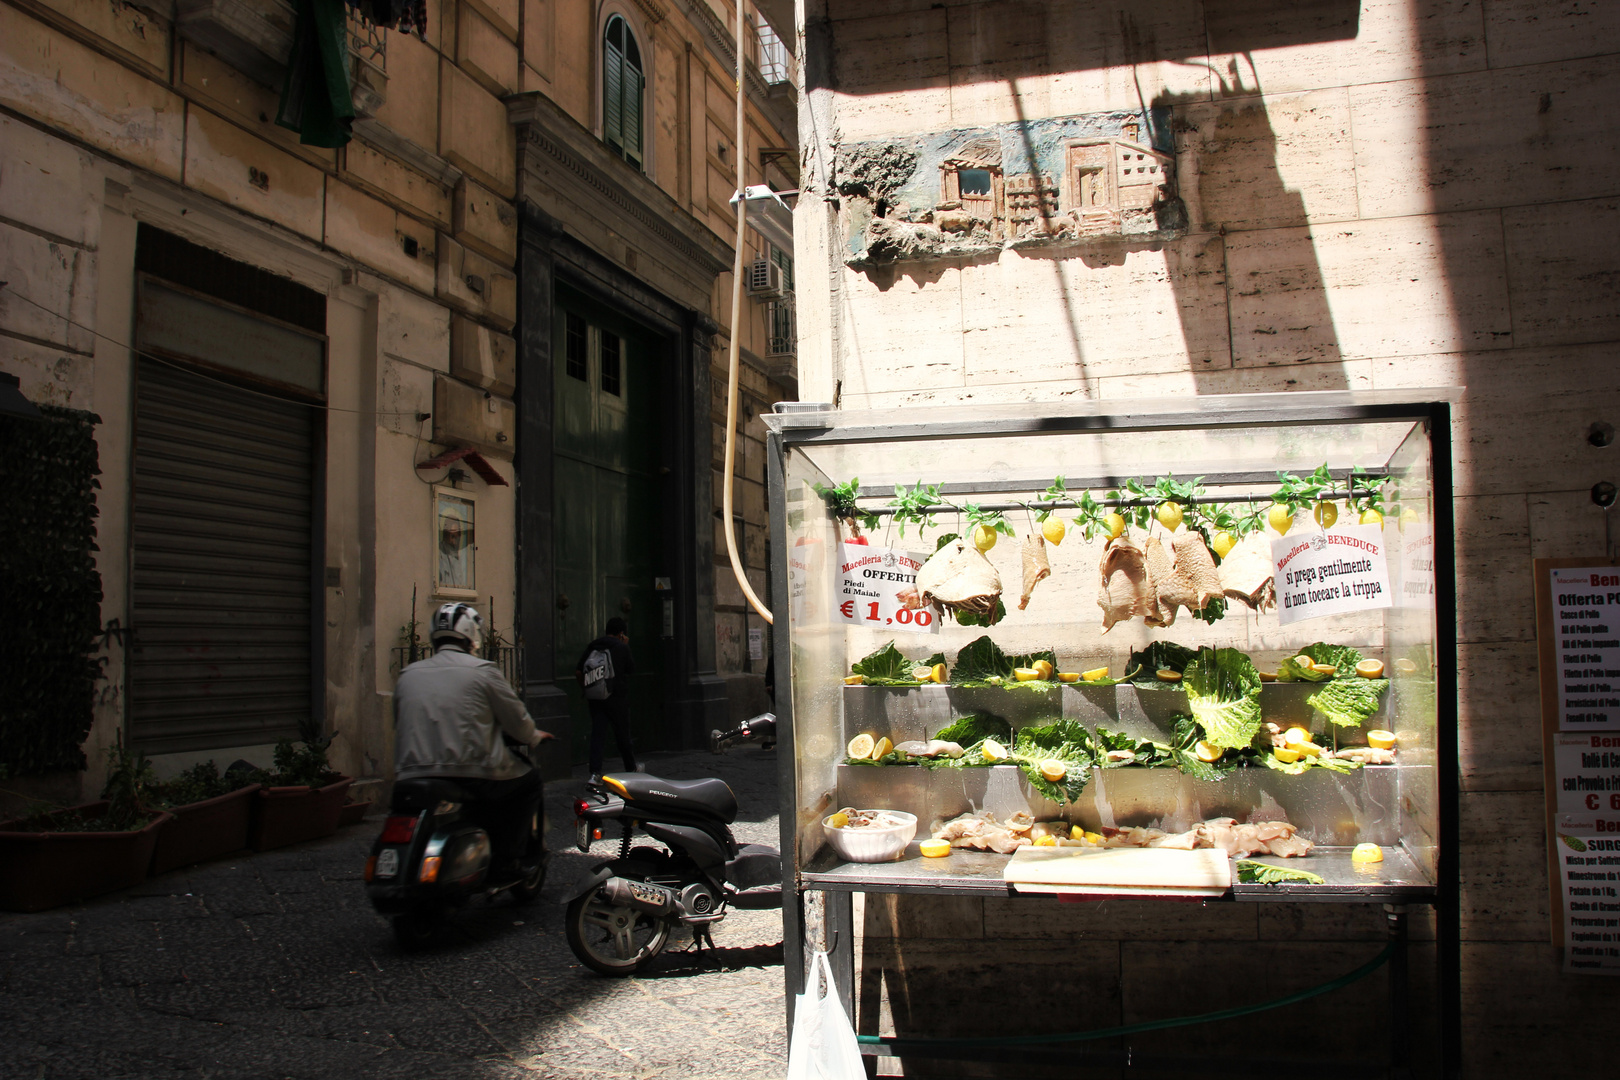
x,y
643,895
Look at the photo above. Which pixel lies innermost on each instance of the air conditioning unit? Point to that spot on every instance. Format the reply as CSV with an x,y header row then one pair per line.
x,y
765,280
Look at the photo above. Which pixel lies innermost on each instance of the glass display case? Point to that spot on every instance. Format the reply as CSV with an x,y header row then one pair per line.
x,y
1142,731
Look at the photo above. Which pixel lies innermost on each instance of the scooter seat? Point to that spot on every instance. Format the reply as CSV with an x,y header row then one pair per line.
x,y
711,797
414,796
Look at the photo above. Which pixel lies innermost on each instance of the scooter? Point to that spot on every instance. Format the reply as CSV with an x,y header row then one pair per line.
x,y
434,856
622,912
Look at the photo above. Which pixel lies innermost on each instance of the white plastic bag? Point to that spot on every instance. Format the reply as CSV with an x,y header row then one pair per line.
x,y
823,1045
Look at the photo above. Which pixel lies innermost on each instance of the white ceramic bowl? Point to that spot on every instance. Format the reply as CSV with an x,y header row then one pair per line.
x,y
872,844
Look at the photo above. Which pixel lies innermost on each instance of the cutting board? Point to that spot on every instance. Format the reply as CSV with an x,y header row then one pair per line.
x,y
1120,871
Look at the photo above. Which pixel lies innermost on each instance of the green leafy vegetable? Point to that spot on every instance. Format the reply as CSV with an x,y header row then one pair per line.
x,y
1342,658
969,618
840,500
1288,671
982,660
1062,740
1160,654
1129,676
1252,872
976,728
1304,764
886,667
1223,692
936,658
1145,753
1349,702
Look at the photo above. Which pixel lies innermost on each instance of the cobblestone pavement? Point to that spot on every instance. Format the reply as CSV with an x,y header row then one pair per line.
x,y
274,965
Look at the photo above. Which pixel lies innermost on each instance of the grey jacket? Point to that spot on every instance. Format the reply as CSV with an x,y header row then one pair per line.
x,y
449,712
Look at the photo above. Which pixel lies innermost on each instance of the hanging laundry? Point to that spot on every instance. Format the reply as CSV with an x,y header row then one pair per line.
x,y
315,100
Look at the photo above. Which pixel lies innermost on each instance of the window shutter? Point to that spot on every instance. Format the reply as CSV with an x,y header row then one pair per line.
x,y
612,96
633,81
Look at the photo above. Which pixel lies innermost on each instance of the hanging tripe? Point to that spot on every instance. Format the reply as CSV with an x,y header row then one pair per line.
x,y
1036,567
958,578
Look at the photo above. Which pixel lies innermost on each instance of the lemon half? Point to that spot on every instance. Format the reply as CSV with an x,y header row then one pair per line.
x,y
861,746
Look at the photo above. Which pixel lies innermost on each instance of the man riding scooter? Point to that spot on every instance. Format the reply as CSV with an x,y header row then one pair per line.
x,y
450,712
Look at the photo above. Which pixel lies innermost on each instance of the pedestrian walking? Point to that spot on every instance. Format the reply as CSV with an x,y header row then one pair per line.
x,y
604,671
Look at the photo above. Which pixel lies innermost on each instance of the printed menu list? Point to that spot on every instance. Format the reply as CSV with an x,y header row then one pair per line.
x,y
1586,640
1589,869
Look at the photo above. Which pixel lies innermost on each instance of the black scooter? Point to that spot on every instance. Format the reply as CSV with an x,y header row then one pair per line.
x,y
434,855
621,913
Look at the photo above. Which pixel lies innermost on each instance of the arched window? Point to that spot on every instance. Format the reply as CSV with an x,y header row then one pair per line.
x,y
622,83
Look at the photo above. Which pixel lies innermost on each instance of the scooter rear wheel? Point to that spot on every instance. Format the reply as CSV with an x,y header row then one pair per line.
x,y
415,929
614,940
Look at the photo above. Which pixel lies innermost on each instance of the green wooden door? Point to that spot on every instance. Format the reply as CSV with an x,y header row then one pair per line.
x,y
605,526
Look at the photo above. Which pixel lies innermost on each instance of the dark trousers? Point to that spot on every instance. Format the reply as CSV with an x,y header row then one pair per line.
x,y
505,809
614,713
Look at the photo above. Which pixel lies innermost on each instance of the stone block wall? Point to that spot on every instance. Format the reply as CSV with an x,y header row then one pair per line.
x,y
1389,195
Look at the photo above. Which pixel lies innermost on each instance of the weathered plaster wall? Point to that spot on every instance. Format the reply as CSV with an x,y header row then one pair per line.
x,y
1398,194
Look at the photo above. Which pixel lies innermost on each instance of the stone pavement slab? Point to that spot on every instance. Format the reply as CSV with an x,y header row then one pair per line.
x,y
274,966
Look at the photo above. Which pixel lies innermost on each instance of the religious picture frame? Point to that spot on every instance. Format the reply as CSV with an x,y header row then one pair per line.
x,y
455,547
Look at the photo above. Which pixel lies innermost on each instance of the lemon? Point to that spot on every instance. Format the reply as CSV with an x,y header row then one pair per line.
x,y
1307,749
1371,517
1280,517
1204,750
1303,662
1094,837
935,849
1325,669
1054,530
1285,755
854,680
1045,841
1267,676
1380,739
1166,675
984,537
994,751
1223,543
937,673
1115,523
1076,833
839,820
1068,676
1408,515
883,748
1366,853
922,674
1026,674
861,746
1169,515
1370,669
1044,667
1296,735
1326,514
1095,674
1054,770
1405,666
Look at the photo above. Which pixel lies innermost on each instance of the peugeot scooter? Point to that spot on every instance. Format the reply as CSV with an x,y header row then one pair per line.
x,y
434,856
622,912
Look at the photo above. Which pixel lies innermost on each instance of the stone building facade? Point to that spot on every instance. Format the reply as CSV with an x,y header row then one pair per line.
x,y
167,247
1388,194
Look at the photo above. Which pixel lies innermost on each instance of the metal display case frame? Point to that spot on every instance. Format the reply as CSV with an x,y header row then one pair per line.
x,y
818,897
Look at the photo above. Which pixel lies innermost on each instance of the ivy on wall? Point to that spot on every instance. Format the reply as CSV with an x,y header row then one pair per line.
x,y
50,588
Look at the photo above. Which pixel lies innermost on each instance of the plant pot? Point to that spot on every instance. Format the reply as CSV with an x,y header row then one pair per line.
x,y
291,815
205,830
48,869
353,813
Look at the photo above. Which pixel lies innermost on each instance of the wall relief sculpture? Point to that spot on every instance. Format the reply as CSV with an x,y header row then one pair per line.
x,y
1059,180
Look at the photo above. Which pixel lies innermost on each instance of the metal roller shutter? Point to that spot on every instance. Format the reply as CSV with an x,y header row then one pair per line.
x,y
221,589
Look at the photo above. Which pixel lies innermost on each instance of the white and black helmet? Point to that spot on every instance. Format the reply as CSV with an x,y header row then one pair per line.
x,y
458,624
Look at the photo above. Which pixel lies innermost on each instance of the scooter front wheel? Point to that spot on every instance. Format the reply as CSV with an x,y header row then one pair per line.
x,y
613,939
415,929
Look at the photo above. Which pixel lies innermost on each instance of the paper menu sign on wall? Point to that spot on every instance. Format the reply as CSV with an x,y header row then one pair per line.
x,y
875,585
1589,873
1585,636
1330,573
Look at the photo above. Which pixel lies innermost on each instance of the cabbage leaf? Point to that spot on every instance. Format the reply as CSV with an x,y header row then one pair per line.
x,y
975,728
1349,702
1062,740
886,667
1253,872
1223,693
981,662
1160,654
1341,657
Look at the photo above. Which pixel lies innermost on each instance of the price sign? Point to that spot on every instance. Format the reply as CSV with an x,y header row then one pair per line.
x,y
877,587
1330,573
1585,635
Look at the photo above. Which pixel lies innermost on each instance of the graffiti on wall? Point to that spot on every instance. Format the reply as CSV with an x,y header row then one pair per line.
x,y
1056,180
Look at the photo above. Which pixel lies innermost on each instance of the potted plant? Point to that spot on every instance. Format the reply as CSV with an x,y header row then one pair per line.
x,y
302,797
54,857
212,813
